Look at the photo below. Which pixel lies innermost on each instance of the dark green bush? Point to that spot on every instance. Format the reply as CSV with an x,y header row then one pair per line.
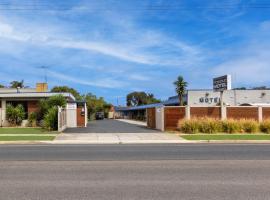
x,y
32,119
15,115
265,126
51,119
249,125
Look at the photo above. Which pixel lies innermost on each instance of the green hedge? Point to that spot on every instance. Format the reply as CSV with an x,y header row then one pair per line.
x,y
209,125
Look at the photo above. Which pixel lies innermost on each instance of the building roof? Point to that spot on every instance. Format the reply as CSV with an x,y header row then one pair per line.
x,y
12,95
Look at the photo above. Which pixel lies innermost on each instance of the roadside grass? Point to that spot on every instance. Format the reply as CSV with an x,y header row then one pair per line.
x,y
27,138
23,131
26,134
226,137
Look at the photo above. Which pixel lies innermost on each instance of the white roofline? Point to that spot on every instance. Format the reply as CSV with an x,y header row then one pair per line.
x,y
35,95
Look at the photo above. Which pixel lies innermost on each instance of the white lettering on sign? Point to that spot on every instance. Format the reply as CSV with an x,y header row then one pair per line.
x,y
222,83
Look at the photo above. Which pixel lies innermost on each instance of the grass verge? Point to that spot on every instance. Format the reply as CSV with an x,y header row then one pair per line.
x,y
226,137
23,131
27,138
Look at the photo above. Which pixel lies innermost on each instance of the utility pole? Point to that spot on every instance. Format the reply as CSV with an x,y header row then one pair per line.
x,y
45,73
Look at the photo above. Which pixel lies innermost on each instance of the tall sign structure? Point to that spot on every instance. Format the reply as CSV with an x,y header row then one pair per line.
x,y
220,84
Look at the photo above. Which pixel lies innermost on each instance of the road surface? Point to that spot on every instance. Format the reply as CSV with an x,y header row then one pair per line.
x,y
187,171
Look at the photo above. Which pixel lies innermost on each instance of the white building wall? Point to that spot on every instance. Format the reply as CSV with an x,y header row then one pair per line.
x,y
230,97
71,115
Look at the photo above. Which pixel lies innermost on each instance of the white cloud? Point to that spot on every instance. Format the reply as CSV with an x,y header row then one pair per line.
x,y
104,82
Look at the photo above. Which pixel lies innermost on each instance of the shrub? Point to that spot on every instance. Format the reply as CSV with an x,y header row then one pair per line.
x,y
32,119
265,126
249,125
15,115
231,126
51,119
209,125
189,126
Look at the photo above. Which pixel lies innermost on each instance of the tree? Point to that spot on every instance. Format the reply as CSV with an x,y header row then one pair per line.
x,y
96,104
140,98
17,84
74,92
261,88
180,88
2,86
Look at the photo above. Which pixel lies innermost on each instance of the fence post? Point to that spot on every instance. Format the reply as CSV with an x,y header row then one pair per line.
x,y
187,112
260,112
223,112
162,119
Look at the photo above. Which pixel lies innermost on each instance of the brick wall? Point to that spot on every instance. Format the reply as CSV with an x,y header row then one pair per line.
x,y
200,112
80,118
242,113
266,113
32,106
172,115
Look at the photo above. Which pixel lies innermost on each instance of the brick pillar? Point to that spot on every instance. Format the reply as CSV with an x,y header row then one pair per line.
x,y
260,114
187,112
223,112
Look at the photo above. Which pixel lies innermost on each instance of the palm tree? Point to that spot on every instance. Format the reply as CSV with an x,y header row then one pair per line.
x,y
17,84
180,88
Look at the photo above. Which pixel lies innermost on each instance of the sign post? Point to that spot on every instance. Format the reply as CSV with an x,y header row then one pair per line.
x,y
220,84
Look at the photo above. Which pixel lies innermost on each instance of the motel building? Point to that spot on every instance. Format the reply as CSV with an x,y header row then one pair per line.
x,y
74,115
202,98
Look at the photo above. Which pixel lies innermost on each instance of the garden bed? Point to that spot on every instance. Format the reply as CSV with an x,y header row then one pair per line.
x,y
226,137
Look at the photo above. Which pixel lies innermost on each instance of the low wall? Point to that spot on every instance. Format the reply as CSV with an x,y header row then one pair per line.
x,y
172,115
243,112
266,113
199,112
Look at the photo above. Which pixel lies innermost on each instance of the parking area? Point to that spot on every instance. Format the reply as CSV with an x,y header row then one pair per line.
x,y
112,126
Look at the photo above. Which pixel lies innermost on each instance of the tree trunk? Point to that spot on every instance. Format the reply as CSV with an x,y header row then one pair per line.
x,y
180,100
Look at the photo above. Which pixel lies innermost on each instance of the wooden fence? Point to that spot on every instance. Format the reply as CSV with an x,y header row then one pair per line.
x,y
172,114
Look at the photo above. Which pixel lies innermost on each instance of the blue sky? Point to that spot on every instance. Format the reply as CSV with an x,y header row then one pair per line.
x,y
113,47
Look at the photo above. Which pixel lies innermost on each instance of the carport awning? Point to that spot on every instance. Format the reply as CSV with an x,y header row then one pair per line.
x,y
138,107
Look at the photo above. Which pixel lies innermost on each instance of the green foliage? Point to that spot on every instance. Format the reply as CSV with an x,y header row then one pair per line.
x,y
180,88
209,125
57,100
17,84
265,126
15,115
189,126
74,92
48,110
140,98
2,86
95,104
51,119
32,119
231,126
249,126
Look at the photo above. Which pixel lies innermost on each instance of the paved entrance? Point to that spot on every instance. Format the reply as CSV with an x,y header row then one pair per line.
x,y
115,132
111,126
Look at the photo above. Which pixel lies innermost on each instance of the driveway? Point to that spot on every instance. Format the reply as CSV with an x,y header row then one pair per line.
x,y
115,132
111,126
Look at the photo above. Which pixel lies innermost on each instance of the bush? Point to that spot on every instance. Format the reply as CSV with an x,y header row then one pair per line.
x,y
249,125
15,115
209,125
231,126
32,119
189,126
265,126
51,119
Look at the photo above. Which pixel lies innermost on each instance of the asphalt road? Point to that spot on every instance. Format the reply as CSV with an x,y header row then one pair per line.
x,y
135,172
110,126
